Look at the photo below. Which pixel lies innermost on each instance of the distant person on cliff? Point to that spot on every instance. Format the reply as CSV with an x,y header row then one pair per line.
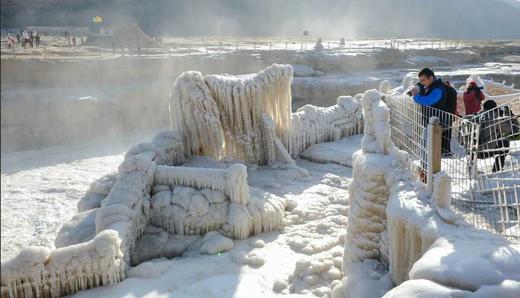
x,y
37,39
18,37
25,39
473,98
31,38
10,41
318,46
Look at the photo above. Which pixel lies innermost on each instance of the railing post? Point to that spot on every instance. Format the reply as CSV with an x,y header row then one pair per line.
x,y
434,142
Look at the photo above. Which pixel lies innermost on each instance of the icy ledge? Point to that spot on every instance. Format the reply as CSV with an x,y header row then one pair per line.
x,y
397,238
38,272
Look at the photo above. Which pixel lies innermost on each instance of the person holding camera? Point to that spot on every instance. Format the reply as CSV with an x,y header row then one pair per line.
x,y
432,92
472,98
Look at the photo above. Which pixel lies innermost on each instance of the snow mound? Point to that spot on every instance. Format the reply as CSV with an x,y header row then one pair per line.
x,y
340,151
423,288
214,242
148,270
488,266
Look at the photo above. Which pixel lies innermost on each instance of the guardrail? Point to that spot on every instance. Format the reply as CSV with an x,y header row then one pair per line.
x,y
480,153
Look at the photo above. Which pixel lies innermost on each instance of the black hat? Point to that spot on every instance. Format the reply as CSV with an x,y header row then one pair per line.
x,y
489,104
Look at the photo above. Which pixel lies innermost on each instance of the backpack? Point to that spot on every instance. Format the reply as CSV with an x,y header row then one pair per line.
x,y
514,123
451,98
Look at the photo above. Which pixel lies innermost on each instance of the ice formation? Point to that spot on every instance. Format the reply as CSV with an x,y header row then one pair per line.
x,y
156,206
385,86
221,115
395,235
492,88
407,81
97,192
248,117
38,272
377,167
441,199
312,125
233,181
159,204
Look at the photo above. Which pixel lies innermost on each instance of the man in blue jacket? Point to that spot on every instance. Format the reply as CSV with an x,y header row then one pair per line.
x,y
431,93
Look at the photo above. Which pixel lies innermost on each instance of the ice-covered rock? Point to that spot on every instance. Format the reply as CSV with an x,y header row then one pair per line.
x,y
214,243
97,192
81,228
148,270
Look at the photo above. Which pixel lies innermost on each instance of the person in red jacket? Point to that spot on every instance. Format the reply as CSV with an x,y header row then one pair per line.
x,y
472,98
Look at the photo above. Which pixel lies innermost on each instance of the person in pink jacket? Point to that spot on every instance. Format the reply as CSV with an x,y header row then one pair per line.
x,y
472,98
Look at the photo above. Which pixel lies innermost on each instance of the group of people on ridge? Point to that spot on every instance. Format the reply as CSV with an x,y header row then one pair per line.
x,y
24,38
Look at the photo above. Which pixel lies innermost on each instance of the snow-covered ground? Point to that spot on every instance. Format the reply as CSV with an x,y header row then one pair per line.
x,y
40,189
303,258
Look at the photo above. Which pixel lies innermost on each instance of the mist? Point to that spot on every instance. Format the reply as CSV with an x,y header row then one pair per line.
x,y
462,19
60,94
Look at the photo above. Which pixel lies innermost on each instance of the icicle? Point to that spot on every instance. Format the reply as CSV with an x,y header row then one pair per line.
x,y
232,181
64,270
225,111
239,221
312,125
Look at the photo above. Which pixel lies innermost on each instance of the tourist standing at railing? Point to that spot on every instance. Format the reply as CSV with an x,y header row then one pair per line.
x,y
37,39
432,92
31,39
497,126
472,98
25,39
11,42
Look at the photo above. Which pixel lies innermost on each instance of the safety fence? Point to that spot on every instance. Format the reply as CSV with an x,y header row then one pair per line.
x,y
175,46
481,154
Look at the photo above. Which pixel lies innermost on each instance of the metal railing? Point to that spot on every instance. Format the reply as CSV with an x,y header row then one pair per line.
x,y
480,153
497,169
